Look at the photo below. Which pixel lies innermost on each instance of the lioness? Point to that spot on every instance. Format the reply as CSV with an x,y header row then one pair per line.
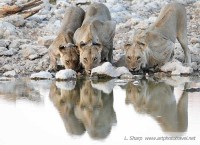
x,y
95,37
157,100
69,54
154,46
65,101
95,110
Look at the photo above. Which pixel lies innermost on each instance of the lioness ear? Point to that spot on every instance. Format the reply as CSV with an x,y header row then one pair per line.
x,y
62,49
82,44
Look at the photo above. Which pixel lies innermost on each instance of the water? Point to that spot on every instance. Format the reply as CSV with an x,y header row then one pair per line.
x,y
99,112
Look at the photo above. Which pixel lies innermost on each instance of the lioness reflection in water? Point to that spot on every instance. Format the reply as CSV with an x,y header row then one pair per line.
x,y
84,108
65,100
158,100
95,110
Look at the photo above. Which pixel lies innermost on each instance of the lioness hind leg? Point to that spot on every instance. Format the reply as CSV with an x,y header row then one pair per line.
x,y
182,38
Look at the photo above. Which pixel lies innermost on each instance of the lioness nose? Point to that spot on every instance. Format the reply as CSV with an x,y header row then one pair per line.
x,y
132,69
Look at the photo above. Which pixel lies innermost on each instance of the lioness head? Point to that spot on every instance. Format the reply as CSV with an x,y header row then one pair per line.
x,y
146,49
137,95
89,96
69,56
90,55
135,57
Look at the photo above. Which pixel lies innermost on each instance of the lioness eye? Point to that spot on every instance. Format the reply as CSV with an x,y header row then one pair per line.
x,y
138,57
129,57
67,62
85,59
140,43
95,58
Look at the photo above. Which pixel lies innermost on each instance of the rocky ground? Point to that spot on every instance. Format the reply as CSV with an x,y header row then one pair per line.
x,y
24,43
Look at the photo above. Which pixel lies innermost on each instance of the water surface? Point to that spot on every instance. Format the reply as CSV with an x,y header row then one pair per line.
x,y
99,112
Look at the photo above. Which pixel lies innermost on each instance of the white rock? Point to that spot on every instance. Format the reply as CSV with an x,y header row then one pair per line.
x,y
7,67
27,50
7,1
152,19
117,8
66,85
57,23
176,68
46,40
175,80
10,74
109,70
106,87
66,74
194,66
41,75
7,29
19,2
33,56
46,5
122,70
9,52
15,44
61,3
31,24
114,1
32,51
37,18
195,40
121,82
197,45
2,50
4,43
5,78
16,20
194,49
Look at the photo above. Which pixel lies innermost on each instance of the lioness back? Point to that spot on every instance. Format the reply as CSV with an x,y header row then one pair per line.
x,y
171,20
97,11
72,20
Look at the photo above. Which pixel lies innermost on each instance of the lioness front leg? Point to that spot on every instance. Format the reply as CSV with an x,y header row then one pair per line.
x,y
53,62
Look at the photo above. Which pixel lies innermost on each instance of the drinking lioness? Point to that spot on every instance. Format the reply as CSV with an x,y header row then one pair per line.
x,y
154,46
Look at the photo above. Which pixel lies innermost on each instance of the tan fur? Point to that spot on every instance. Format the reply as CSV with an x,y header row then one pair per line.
x,y
71,22
158,100
95,110
95,37
65,102
155,46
